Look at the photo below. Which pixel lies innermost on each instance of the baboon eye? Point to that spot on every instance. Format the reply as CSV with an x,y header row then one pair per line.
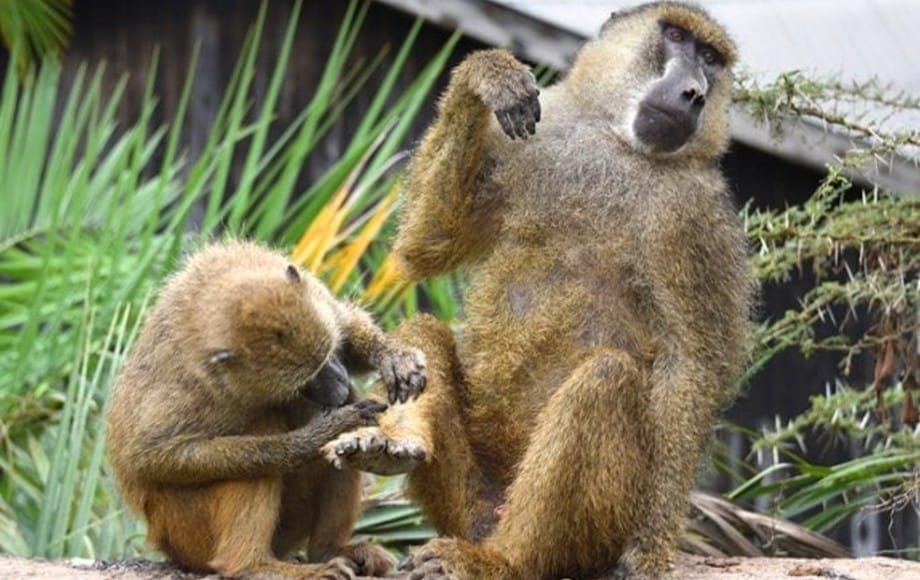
x,y
675,34
710,56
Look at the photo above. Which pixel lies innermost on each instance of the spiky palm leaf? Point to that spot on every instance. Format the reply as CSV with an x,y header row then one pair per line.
x,y
35,28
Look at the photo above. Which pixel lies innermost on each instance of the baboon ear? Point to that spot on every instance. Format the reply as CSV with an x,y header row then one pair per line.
x,y
223,355
293,274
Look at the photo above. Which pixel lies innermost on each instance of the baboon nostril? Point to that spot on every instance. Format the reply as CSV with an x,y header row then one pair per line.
x,y
694,96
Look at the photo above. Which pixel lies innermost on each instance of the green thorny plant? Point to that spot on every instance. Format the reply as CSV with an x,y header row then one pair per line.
x,y
863,246
96,213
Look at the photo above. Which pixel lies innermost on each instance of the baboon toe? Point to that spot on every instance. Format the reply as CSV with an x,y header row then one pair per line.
x,y
424,565
337,569
369,559
370,450
431,570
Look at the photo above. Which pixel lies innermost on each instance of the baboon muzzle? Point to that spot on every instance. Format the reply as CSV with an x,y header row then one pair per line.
x,y
330,386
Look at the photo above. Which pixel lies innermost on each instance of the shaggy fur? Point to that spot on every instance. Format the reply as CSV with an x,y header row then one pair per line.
x,y
607,314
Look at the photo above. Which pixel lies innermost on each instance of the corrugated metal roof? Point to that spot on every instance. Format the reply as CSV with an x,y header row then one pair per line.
x,y
857,39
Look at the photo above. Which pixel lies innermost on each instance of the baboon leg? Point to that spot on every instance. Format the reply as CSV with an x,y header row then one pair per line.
x,y
576,497
426,437
448,484
179,524
245,514
337,502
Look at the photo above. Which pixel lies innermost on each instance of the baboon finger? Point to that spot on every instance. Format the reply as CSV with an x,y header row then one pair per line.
x,y
404,564
417,382
530,122
404,390
532,87
339,569
535,109
370,406
391,380
504,119
346,447
416,452
519,116
368,410
372,444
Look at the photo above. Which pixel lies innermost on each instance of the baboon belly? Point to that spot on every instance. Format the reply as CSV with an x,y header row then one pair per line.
x,y
524,336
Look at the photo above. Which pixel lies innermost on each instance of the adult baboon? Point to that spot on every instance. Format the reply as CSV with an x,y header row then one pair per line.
x,y
607,314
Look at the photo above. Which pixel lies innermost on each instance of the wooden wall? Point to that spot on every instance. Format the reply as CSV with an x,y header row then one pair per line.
x,y
124,36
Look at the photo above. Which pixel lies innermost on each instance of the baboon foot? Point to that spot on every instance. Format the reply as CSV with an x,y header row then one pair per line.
x,y
640,565
335,569
369,449
369,559
443,559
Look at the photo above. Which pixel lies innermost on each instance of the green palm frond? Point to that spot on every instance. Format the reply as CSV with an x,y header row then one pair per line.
x,y
35,28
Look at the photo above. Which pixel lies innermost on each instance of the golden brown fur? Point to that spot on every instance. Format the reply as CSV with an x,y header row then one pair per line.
x,y
607,315
209,435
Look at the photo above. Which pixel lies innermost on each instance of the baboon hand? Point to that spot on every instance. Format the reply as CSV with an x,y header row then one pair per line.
x,y
506,86
642,564
363,413
329,424
404,374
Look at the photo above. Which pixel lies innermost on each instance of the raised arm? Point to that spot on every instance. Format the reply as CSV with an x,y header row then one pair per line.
x,y
451,214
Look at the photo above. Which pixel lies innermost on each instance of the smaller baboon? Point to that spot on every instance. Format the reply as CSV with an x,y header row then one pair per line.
x,y
214,428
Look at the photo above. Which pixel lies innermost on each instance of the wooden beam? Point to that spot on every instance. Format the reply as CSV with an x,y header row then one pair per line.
x,y
499,25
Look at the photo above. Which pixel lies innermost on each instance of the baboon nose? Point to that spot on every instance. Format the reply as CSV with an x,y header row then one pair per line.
x,y
694,96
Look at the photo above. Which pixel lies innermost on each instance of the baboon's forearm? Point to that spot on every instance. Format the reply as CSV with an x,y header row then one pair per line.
x,y
202,461
442,181
365,343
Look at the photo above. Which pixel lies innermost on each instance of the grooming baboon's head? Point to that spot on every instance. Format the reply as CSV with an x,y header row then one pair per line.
x,y
281,340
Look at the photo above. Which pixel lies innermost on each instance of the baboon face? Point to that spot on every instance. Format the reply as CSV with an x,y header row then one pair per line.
x,y
282,341
661,73
669,113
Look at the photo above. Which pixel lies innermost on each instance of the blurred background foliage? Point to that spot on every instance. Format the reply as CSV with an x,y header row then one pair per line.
x,y
96,214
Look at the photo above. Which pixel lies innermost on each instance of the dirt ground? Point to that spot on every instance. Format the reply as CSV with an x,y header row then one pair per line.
x,y
688,568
